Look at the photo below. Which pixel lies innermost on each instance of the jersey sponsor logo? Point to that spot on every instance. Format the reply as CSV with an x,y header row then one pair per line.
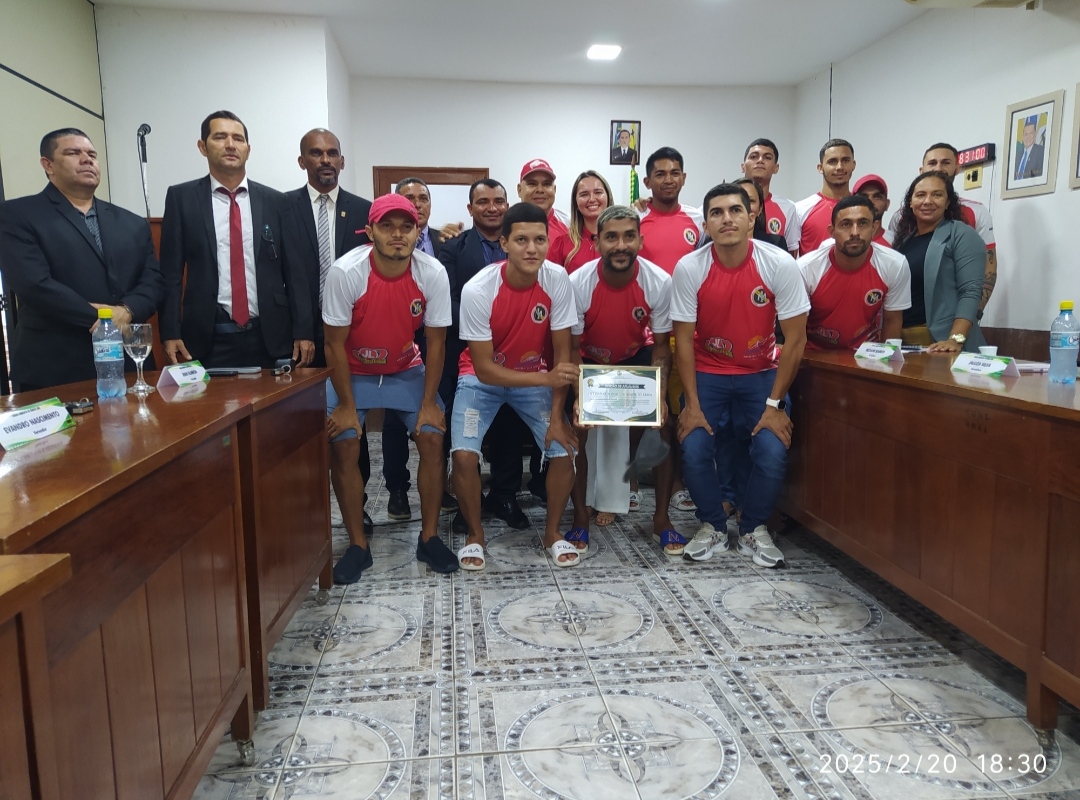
x,y
370,355
824,334
639,313
874,296
539,313
417,307
759,297
775,225
531,361
719,345
758,345
598,353
690,235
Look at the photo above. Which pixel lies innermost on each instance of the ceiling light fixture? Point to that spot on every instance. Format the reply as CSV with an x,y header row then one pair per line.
x,y
604,52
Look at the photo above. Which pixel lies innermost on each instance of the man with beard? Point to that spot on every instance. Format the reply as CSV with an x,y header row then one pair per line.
x,y
623,317
376,297
761,162
537,186
858,290
836,163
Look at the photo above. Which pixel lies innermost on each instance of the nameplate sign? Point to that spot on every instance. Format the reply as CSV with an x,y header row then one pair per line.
x,y
978,364
25,425
178,394
874,351
186,374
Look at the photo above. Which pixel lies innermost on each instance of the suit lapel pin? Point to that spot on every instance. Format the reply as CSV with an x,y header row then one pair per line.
x,y
343,214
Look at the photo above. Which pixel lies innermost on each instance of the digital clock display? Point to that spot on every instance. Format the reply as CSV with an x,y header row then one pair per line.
x,y
979,154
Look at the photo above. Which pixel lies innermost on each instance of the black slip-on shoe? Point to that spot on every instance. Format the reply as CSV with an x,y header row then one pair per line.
x,y
397,507
509,512
352,564
436,555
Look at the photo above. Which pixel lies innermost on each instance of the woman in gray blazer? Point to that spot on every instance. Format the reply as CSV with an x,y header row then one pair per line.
x,y
947,260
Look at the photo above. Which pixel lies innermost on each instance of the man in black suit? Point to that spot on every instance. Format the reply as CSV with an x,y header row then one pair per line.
x,y
246,301
1029,155
416,192
463,257
332,220
623,153
65,254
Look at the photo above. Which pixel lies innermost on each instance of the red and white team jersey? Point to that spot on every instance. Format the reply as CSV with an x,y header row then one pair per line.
x,y
815,216
736,309
614,324
557,222
517,322
972,212
563,245
781,219
668,236
846,308
383,314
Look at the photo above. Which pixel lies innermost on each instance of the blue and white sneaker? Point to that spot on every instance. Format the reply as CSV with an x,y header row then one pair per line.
x,y
706,541
759,545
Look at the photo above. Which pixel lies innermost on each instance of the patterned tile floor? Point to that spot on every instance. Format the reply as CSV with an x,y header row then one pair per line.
x,y
634,677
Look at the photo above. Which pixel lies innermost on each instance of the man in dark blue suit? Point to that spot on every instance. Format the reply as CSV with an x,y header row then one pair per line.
x,y
463,257
65,254
1029,155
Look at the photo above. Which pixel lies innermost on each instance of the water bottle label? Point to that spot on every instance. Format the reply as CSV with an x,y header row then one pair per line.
x,y
108,351
1064,339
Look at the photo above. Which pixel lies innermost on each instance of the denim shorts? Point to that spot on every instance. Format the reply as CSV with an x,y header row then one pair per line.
x,y
400,393
476,404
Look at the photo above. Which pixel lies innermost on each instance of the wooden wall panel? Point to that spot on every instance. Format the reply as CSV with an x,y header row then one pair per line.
x,y
129,676
14,763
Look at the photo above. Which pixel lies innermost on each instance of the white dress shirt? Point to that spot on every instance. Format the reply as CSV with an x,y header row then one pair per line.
x,y
220,203
331,213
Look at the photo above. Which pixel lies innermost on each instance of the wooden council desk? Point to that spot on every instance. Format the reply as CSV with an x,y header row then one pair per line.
x,y
195,527
960,490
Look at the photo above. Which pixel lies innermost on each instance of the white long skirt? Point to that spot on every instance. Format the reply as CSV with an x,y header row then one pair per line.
x,y
608,452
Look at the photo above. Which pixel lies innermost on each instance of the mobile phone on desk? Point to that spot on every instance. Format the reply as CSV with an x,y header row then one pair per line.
x,y
225,372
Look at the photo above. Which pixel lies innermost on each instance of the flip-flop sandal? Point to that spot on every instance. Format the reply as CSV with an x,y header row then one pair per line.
x,y
578,535
561,548
681,501
666,537
472,551
635,501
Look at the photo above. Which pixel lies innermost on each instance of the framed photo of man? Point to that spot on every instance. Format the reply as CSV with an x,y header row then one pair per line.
x,y
624,139
1032,131
1074,143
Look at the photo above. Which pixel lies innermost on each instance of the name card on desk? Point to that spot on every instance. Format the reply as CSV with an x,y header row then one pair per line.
x,y
186,374
874,351
977,364
25,425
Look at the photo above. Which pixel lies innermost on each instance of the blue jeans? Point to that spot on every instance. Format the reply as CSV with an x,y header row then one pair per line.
x,y
476,404
732,405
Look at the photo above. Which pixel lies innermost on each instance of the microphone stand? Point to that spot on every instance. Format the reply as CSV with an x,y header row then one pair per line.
x,y
141,142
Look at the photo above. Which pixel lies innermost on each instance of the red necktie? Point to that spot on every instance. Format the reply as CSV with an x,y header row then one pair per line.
x,y
237,272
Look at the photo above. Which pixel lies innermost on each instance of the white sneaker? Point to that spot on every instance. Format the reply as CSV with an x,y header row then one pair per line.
x,y
759,545
706,541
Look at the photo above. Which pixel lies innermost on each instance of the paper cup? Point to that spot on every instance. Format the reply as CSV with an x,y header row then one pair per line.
x,y
988,350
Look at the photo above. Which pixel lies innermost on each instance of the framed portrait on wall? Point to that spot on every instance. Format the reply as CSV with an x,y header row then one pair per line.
x,y
1074,143
624,139
1032,131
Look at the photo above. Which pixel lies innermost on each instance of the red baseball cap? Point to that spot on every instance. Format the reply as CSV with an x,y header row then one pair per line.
x,y
865,179
536,165
391,202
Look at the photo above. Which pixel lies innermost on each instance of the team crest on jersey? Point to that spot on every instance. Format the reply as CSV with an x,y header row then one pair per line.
x,y
498,358
639,313
774,226
539,313
873,297
691,236
759,297
824,334
370,355
417,307
719,346
598,353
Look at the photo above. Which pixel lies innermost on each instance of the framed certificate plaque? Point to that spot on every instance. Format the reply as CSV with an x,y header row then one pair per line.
x,y
619,395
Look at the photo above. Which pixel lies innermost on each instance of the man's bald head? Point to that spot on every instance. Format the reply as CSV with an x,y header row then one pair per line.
x,y
321,158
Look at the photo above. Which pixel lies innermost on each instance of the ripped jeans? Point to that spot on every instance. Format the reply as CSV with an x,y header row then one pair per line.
x,y
476,404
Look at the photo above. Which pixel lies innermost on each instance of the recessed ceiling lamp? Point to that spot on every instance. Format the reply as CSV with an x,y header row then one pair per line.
x,y
604,52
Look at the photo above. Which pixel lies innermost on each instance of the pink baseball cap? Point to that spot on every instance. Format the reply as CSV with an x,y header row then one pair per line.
x,y
865,179
391,202
536,165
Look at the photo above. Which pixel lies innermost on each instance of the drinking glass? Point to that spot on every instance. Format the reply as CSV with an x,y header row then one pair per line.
x,y
138,338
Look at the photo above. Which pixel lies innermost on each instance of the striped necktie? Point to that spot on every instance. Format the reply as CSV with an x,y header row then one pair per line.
x,y
326,257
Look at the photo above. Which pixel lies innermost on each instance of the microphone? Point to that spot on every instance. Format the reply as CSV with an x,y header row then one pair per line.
x,y
141,139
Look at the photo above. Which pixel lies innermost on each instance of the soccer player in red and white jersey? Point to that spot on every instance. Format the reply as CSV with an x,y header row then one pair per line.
x,y
669,230
516,316
725,302
874,188
623,308
858,290
376,297
761,162
537,186
836,163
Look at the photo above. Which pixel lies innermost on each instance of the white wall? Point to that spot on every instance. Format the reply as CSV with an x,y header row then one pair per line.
x,y
502,125
339,104
172,68
948,76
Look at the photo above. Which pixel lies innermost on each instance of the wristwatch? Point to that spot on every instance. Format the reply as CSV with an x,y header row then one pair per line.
x,y
779,405
959,338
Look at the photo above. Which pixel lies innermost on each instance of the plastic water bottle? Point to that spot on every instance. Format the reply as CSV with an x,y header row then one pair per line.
x,y
1064,345
109,356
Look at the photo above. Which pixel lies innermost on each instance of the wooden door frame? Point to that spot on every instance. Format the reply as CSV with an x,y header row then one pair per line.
x,y
384,179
